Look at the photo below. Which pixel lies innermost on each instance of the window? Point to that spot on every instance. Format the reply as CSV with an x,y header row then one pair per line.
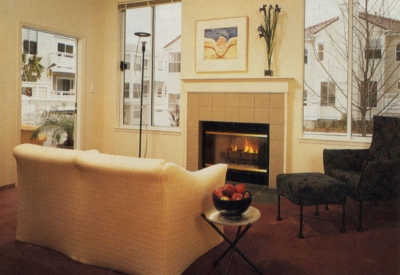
x,y
159,91
137,63
305,55
29,43
64,84
161,63
127,62
369,93
350,88
65,50
126,90
327,94
320,52
175,62
48,80
137,90
374,51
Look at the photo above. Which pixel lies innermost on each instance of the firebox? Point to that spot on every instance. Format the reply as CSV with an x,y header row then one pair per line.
x,y
243,146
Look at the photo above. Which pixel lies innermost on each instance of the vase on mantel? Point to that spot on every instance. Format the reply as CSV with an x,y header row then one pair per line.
x,y
269,71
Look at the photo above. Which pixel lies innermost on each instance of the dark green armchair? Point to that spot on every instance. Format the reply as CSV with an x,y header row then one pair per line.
x,y
370,174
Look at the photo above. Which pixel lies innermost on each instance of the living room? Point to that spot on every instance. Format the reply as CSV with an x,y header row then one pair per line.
x,y
97,27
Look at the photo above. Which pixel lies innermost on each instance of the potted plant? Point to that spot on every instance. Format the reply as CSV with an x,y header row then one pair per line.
x,y
267,31
59,123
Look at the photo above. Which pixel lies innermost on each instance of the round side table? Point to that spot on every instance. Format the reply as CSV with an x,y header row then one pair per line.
x,y
249,217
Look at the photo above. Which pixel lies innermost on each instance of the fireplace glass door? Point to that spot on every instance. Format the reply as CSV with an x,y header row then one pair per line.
x,y
243,146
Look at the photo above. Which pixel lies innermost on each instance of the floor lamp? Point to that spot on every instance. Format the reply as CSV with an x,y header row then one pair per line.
x,y
141,34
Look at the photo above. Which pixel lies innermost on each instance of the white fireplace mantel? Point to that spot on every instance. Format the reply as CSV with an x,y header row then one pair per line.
x,y
237,85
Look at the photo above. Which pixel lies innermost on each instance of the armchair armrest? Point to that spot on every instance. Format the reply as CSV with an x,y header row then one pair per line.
x,y
380,180
346,159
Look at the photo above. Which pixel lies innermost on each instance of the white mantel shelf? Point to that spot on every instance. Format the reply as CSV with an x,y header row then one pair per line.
x,y
237,85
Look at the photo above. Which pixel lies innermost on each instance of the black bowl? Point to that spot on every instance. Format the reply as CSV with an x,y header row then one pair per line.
x,y
232,209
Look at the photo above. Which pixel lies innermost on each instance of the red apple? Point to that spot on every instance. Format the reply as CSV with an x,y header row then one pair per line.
x,y
240,188
236,197
225,198
246,195
218,192
228,190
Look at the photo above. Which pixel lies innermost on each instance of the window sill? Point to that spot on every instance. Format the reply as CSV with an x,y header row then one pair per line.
x,y
151,129
337,140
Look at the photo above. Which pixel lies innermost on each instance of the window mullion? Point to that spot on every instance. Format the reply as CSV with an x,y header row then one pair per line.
x,y
350,69
153,54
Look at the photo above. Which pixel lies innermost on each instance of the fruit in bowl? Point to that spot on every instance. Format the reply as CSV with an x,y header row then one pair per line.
x,y
232,202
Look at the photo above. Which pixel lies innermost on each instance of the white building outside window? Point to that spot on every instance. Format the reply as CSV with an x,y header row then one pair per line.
x,y
350,74
161,83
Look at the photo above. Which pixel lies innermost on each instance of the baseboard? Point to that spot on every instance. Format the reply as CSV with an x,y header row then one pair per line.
x,y
7,186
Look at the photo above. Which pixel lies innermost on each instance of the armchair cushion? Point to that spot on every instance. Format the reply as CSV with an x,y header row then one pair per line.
x,y
386,138
346,159
350,177
380,180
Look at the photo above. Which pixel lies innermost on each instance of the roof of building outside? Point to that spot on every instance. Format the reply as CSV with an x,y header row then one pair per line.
x,y
389,24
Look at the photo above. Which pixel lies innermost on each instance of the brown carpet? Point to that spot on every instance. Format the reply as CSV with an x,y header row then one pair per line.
x,y
273,246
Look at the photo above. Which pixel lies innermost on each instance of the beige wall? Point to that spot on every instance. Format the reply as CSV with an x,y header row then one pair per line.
x,y
156,144
80,19
302,155
96,24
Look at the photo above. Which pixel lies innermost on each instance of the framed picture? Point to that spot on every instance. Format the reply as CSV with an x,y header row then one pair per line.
x,y
221,45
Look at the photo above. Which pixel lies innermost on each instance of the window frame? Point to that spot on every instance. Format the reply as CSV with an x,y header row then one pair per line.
x,y
154,65
347,137
330,99
305,55
372,88
320,51
32,44
375,50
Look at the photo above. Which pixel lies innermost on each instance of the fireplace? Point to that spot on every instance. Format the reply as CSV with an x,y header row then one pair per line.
x,y
242,100
243,146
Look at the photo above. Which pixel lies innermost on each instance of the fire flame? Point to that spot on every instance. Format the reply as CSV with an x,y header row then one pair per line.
x,y
248,148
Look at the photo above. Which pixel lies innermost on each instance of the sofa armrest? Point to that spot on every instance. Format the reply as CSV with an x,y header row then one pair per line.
x,y
194,189
380,180
187,195
347,159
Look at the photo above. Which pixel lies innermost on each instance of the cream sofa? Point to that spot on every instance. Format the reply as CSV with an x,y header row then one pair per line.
x,y
138,216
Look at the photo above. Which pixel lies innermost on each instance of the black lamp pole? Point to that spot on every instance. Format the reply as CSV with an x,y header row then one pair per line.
x,y
141,34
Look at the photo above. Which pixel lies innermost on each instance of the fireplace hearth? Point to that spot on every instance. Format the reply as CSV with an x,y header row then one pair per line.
x,y
243,146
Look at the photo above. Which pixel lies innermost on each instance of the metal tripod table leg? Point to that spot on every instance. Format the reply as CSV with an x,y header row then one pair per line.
x,y
232,244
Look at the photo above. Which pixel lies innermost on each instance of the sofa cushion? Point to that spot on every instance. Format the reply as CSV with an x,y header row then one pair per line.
x,y
386,138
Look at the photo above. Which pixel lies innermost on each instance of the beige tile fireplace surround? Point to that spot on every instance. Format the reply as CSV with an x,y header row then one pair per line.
x,y
261,100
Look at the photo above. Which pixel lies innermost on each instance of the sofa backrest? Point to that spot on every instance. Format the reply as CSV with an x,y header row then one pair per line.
x,y
47,184
386,138
138,216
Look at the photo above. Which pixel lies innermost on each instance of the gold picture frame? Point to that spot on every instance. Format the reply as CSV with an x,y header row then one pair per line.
x,y
221,45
